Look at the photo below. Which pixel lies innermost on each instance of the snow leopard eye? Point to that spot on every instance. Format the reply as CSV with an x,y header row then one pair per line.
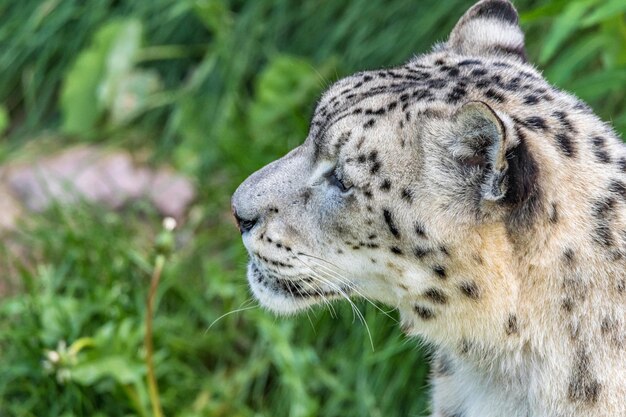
x,y
335,179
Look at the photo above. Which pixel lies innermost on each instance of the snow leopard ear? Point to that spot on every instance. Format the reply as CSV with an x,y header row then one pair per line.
x,y
481,142
489,28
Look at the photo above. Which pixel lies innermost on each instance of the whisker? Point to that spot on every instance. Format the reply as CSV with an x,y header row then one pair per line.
x,y
337,275
343,294
325,300
238,310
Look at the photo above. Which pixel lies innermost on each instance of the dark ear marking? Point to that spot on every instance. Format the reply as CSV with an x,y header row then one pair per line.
x,y
497,9
500,34
523,172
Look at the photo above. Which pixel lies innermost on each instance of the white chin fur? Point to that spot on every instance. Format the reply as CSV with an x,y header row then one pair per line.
x,y
277,303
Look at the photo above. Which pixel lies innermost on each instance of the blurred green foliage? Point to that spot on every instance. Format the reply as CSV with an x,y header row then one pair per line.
x,y
218,89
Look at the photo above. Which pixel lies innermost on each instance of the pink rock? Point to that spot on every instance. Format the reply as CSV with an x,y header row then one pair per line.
x,y
99,176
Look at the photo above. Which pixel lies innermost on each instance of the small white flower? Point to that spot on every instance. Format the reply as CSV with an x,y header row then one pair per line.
x,y
169,224
53,356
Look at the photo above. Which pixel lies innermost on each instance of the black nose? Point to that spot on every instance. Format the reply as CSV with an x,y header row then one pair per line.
x,y
245,225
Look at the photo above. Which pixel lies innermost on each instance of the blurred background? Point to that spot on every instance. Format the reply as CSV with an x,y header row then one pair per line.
x,y
117,114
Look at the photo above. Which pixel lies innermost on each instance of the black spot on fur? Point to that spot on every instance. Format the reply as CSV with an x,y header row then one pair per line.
x,y
369,124
424,313
478,72
391,224
440,271
385,185
437,83
583,385
407,195
456,95
531,99
420,252
618,187
469,62
465,346
565,122
621,163
602,211
436,296
420,229
566,146
375,168
568,255
470,290
535,123
342,140
574,291
607,326
306,196
553,215
599,150
395,250
494,95
567,304
483,83
511,325
420,95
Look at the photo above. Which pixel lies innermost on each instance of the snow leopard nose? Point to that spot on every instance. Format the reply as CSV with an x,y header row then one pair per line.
x,y
245,225
247,207
263,193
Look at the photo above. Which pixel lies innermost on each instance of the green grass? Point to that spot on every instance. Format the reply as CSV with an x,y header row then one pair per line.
x,y
235,85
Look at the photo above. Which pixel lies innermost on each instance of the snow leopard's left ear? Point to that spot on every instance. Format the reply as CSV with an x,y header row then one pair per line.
x,y
489,28
487,140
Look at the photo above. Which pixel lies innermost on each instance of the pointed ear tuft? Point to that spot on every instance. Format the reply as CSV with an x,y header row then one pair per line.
x,y
489,28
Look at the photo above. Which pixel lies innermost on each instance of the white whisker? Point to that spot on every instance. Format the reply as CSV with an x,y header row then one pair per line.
x,y
238,310
337,275
343,294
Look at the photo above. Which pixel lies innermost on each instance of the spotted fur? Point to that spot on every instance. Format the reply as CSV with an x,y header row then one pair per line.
x,y
484,204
